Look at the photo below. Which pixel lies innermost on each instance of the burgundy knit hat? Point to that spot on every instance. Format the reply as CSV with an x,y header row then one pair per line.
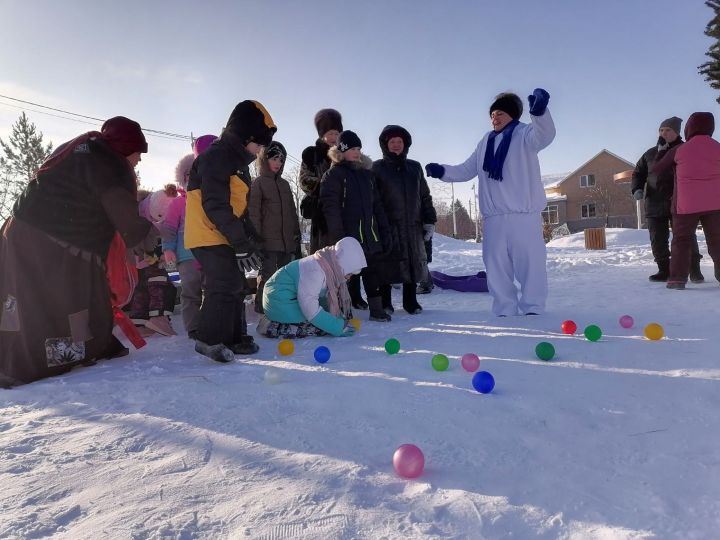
x,y
124,135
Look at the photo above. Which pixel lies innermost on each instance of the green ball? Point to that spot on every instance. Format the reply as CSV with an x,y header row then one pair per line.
x,y
544,350
440,362
392,346
593,332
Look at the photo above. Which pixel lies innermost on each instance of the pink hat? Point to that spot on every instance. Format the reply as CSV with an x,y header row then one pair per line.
x,y
202,143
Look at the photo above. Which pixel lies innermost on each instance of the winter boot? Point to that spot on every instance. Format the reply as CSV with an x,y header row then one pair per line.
x,y
663,271
219,353
377,313
161,325
410,303
386,295
425,288
695,273
677,285
246,345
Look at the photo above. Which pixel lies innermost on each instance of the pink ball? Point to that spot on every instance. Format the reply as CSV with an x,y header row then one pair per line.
x,y
470,362
626,321
408,461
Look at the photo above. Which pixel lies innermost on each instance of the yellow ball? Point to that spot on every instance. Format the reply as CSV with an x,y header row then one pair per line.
x,y
355,324
654,331
286,347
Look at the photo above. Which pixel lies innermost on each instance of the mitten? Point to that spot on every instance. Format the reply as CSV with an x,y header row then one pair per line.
x,y
249,261
435,170
429,229
348,331
538,102
638,194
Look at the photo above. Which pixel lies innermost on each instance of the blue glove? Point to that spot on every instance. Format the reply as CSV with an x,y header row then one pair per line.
x,y
348,331
434,170
538,102
638,194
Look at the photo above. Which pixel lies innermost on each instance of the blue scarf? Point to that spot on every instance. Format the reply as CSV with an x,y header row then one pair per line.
x,y
493,161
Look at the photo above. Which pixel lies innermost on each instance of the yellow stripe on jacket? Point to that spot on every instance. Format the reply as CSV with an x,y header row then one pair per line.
x,y
199,230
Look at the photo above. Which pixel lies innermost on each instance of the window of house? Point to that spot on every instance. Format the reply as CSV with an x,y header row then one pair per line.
x,y
550,214
587,180
588,210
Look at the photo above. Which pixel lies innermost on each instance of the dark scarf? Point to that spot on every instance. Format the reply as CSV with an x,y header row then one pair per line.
x,y
493,161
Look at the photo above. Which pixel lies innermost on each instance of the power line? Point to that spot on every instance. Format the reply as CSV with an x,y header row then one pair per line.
x,y
153,132
167,134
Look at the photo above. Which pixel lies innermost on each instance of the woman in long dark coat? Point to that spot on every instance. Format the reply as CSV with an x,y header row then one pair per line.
x,y
406,198
56,307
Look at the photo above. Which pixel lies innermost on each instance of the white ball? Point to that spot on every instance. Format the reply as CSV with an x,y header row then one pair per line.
x,y
273,376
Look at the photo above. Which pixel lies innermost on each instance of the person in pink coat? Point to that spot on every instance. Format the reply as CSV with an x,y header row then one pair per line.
x,y
697,195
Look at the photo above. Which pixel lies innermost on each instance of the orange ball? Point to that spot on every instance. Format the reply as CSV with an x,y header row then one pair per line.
x,y
654,331
286,347
356,324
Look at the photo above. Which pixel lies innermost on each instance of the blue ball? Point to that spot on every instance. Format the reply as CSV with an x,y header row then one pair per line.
x,y
483,382
322,354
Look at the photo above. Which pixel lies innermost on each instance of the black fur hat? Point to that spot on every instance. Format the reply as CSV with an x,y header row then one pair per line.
x,y
327,120
509,103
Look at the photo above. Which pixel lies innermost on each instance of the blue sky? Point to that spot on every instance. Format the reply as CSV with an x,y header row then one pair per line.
x,y
614,69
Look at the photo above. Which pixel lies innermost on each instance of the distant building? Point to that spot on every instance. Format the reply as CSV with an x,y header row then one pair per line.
x,y
588,196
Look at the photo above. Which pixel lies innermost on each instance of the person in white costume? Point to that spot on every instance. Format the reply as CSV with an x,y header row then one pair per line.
x,y
511,198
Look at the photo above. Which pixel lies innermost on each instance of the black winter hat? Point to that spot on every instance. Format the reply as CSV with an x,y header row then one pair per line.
x,y
394,131
673,123
327,120
275,149
347,140
251,122
509,103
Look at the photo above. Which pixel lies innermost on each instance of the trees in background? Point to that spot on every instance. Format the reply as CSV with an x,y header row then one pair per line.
x,y
21,157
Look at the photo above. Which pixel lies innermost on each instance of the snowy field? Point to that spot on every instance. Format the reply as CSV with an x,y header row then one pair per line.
x,y
610,440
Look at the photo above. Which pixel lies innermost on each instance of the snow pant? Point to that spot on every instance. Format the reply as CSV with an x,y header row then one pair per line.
x,y
55,309
222,313
154,295
354,289
409,296
191,278
370,280
273,329
659,229
272,261
514,249
684,227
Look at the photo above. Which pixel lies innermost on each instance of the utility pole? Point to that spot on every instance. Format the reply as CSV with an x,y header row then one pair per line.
x,y
477,216
452,207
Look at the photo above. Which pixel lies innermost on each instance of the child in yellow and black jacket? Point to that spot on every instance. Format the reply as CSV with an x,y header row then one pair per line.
x,y
219,232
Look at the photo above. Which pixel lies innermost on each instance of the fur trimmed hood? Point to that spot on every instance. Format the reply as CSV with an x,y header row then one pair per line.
x,y
336,156
183,168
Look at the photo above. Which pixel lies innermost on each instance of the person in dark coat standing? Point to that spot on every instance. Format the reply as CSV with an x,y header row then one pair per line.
x,y
351,206
657,190
272,212
315,163
56,309
220,234
406,198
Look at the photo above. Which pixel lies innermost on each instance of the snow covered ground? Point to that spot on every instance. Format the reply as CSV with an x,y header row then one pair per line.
x,y
613,439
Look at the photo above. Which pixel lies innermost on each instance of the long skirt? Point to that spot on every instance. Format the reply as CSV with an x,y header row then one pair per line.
x,y
56,310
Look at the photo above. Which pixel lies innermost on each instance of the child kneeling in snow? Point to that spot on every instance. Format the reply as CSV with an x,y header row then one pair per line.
x,y
293,295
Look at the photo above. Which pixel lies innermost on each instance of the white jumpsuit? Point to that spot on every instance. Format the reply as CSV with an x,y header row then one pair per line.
x,y
513,245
